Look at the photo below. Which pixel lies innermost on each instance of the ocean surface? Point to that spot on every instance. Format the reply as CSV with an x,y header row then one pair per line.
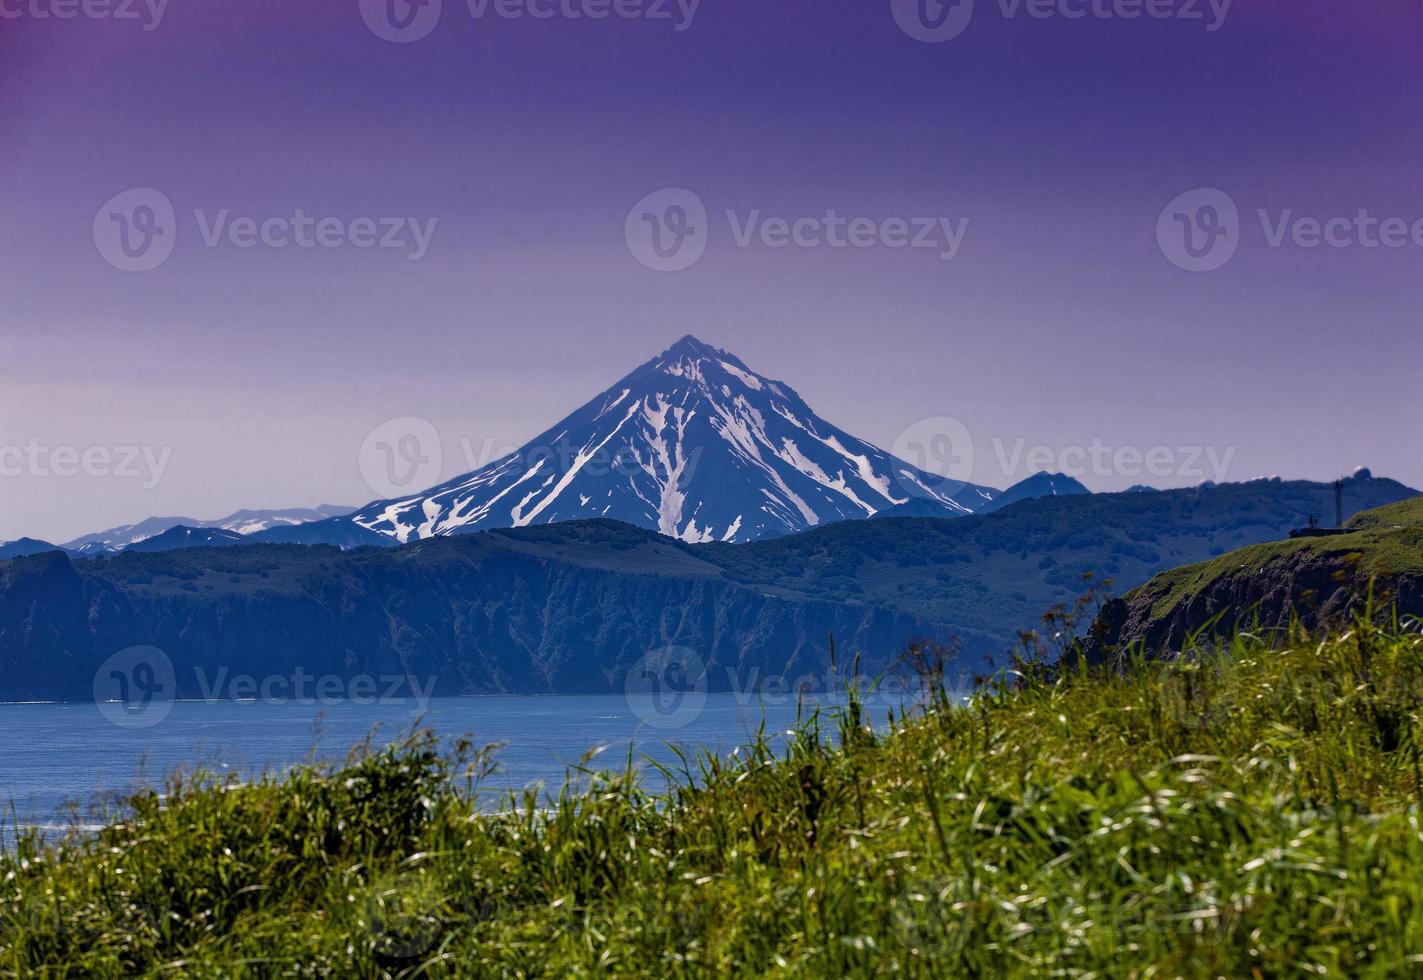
x,y
66,765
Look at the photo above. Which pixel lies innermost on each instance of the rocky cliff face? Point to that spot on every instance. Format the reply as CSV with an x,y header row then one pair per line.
x,y
1321,583
470,615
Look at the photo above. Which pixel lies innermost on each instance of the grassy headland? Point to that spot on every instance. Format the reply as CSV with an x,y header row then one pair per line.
x,y
1374,566
1252,815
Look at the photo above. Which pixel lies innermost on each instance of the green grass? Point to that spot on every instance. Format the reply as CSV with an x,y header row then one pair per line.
x,y
1255,815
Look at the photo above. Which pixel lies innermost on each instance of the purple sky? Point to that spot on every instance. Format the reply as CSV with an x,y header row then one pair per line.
x,y
1060,323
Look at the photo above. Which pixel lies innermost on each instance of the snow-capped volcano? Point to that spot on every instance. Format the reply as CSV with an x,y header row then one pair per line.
x,y
693,444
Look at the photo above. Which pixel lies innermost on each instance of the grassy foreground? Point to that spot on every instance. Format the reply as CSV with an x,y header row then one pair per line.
x,y
1252,816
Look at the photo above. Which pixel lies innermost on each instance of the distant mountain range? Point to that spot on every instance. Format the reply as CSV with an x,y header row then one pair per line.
x,y
189,537
165,533
295,526
22,547
571,607
241,522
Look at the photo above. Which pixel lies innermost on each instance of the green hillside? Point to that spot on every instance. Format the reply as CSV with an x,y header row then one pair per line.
x,y
1405,513
1375,552
1388,542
